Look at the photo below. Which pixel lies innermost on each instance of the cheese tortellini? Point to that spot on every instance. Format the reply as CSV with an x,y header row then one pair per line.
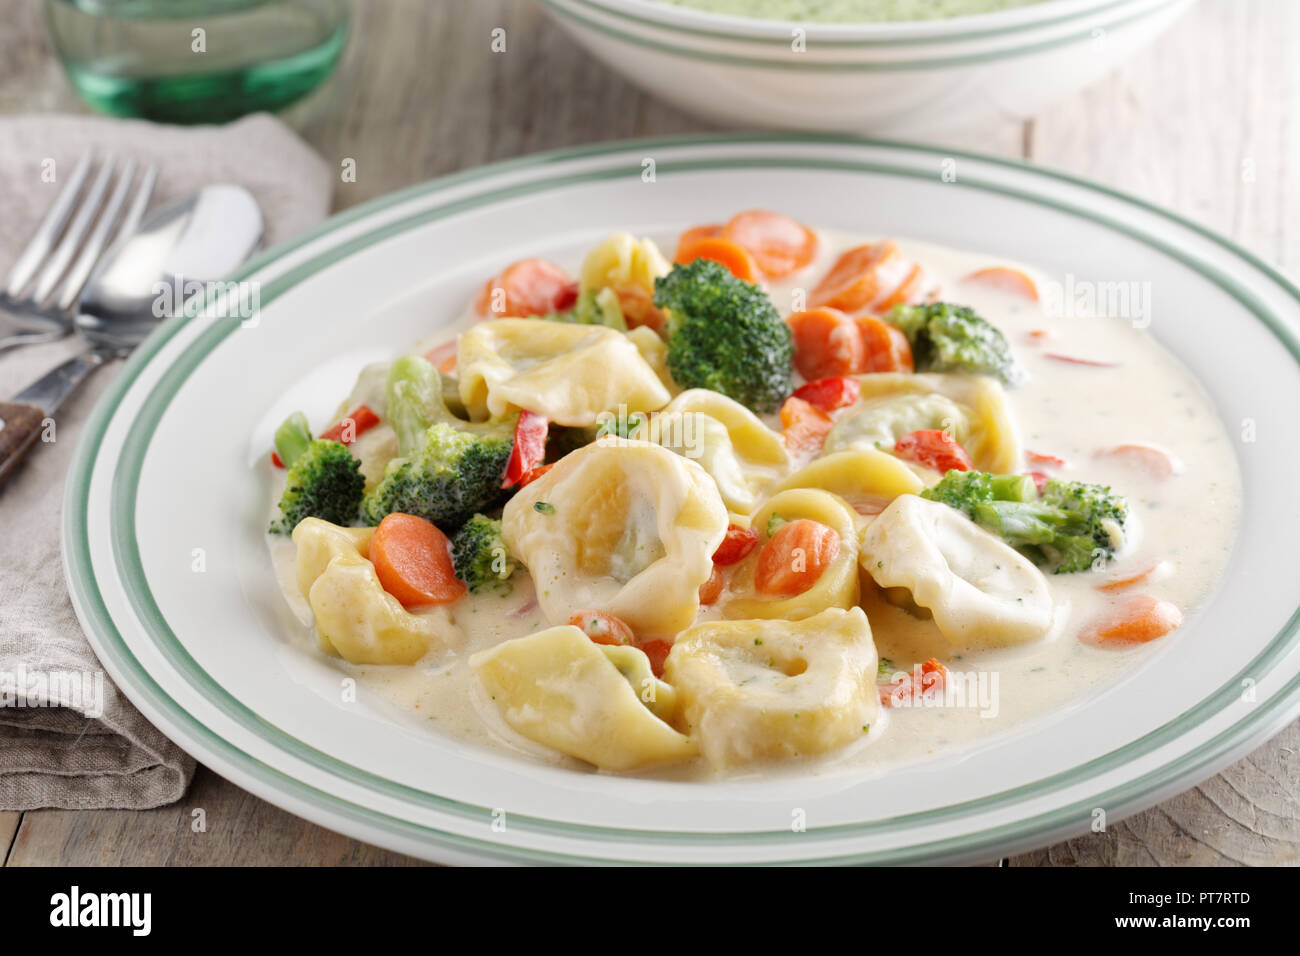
x,y
866,478
972,408
355,617
599,704
622,526
774,689
567,373
622,262
981,592
727,440
838,585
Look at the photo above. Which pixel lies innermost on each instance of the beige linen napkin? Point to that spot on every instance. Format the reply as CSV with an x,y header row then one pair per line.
x,y
76,742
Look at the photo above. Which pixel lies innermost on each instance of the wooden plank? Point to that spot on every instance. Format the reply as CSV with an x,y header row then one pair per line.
x,y
9,821
217,824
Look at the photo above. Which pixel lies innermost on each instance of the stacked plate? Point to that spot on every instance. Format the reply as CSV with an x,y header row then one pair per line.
x,y
884,78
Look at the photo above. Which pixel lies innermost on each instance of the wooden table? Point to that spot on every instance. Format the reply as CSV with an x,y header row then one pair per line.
x,y
1202,122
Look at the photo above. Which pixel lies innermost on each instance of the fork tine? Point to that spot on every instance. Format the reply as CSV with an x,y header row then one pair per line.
x,y
99,237
141,202
43,240
57,264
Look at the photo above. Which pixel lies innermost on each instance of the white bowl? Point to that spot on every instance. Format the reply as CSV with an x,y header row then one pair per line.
x,y
880,78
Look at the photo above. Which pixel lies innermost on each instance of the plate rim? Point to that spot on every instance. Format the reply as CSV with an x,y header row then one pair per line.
x,y
1260,721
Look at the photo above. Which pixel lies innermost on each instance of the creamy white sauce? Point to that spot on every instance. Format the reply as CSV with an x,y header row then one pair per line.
x,y
1070,411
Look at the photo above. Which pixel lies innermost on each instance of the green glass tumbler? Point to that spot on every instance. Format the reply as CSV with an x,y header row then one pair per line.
x,y
196,61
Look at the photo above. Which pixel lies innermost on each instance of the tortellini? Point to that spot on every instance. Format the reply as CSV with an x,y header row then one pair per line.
x,y
622,526
774,689
655,351
727,440
984,426
866,478
355,617
838,585
559,689
568,373
629,267
876,423
980,592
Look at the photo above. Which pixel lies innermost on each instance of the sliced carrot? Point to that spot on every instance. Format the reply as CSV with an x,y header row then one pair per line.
x,y
657,651
910,291
1135,620
884,345
1157,570
711,589
1039,458
1075,360
601,627
795,557
861,277
930,680
1007,280
804,426
826,343
780,245
696,233
1038,335
1153,461
733,256
412,559
527,287
443,356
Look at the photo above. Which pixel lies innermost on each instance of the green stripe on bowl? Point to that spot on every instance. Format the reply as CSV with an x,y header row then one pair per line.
x,y
815,27
130,672
799,61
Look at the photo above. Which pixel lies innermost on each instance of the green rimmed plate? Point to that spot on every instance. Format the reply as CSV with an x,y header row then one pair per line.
x,y
166,504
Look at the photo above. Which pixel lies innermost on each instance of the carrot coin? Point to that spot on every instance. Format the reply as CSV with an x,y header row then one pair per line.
x,y
780,245
861,277
1135,620
527,287
732,256
1006,279
795,557
601,627
884,346
412,559
826,343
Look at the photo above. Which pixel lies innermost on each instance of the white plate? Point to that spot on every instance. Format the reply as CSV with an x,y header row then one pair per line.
x,y
172,468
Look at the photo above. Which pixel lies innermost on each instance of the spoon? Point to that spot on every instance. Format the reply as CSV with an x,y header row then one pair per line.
x,y
137,284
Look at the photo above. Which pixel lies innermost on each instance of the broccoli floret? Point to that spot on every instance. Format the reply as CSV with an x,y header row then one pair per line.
x,y
446,468
480,555
324,479
1071,526
952,338
724,334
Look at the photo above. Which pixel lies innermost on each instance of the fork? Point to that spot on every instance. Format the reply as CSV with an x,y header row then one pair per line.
x,y
37,302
